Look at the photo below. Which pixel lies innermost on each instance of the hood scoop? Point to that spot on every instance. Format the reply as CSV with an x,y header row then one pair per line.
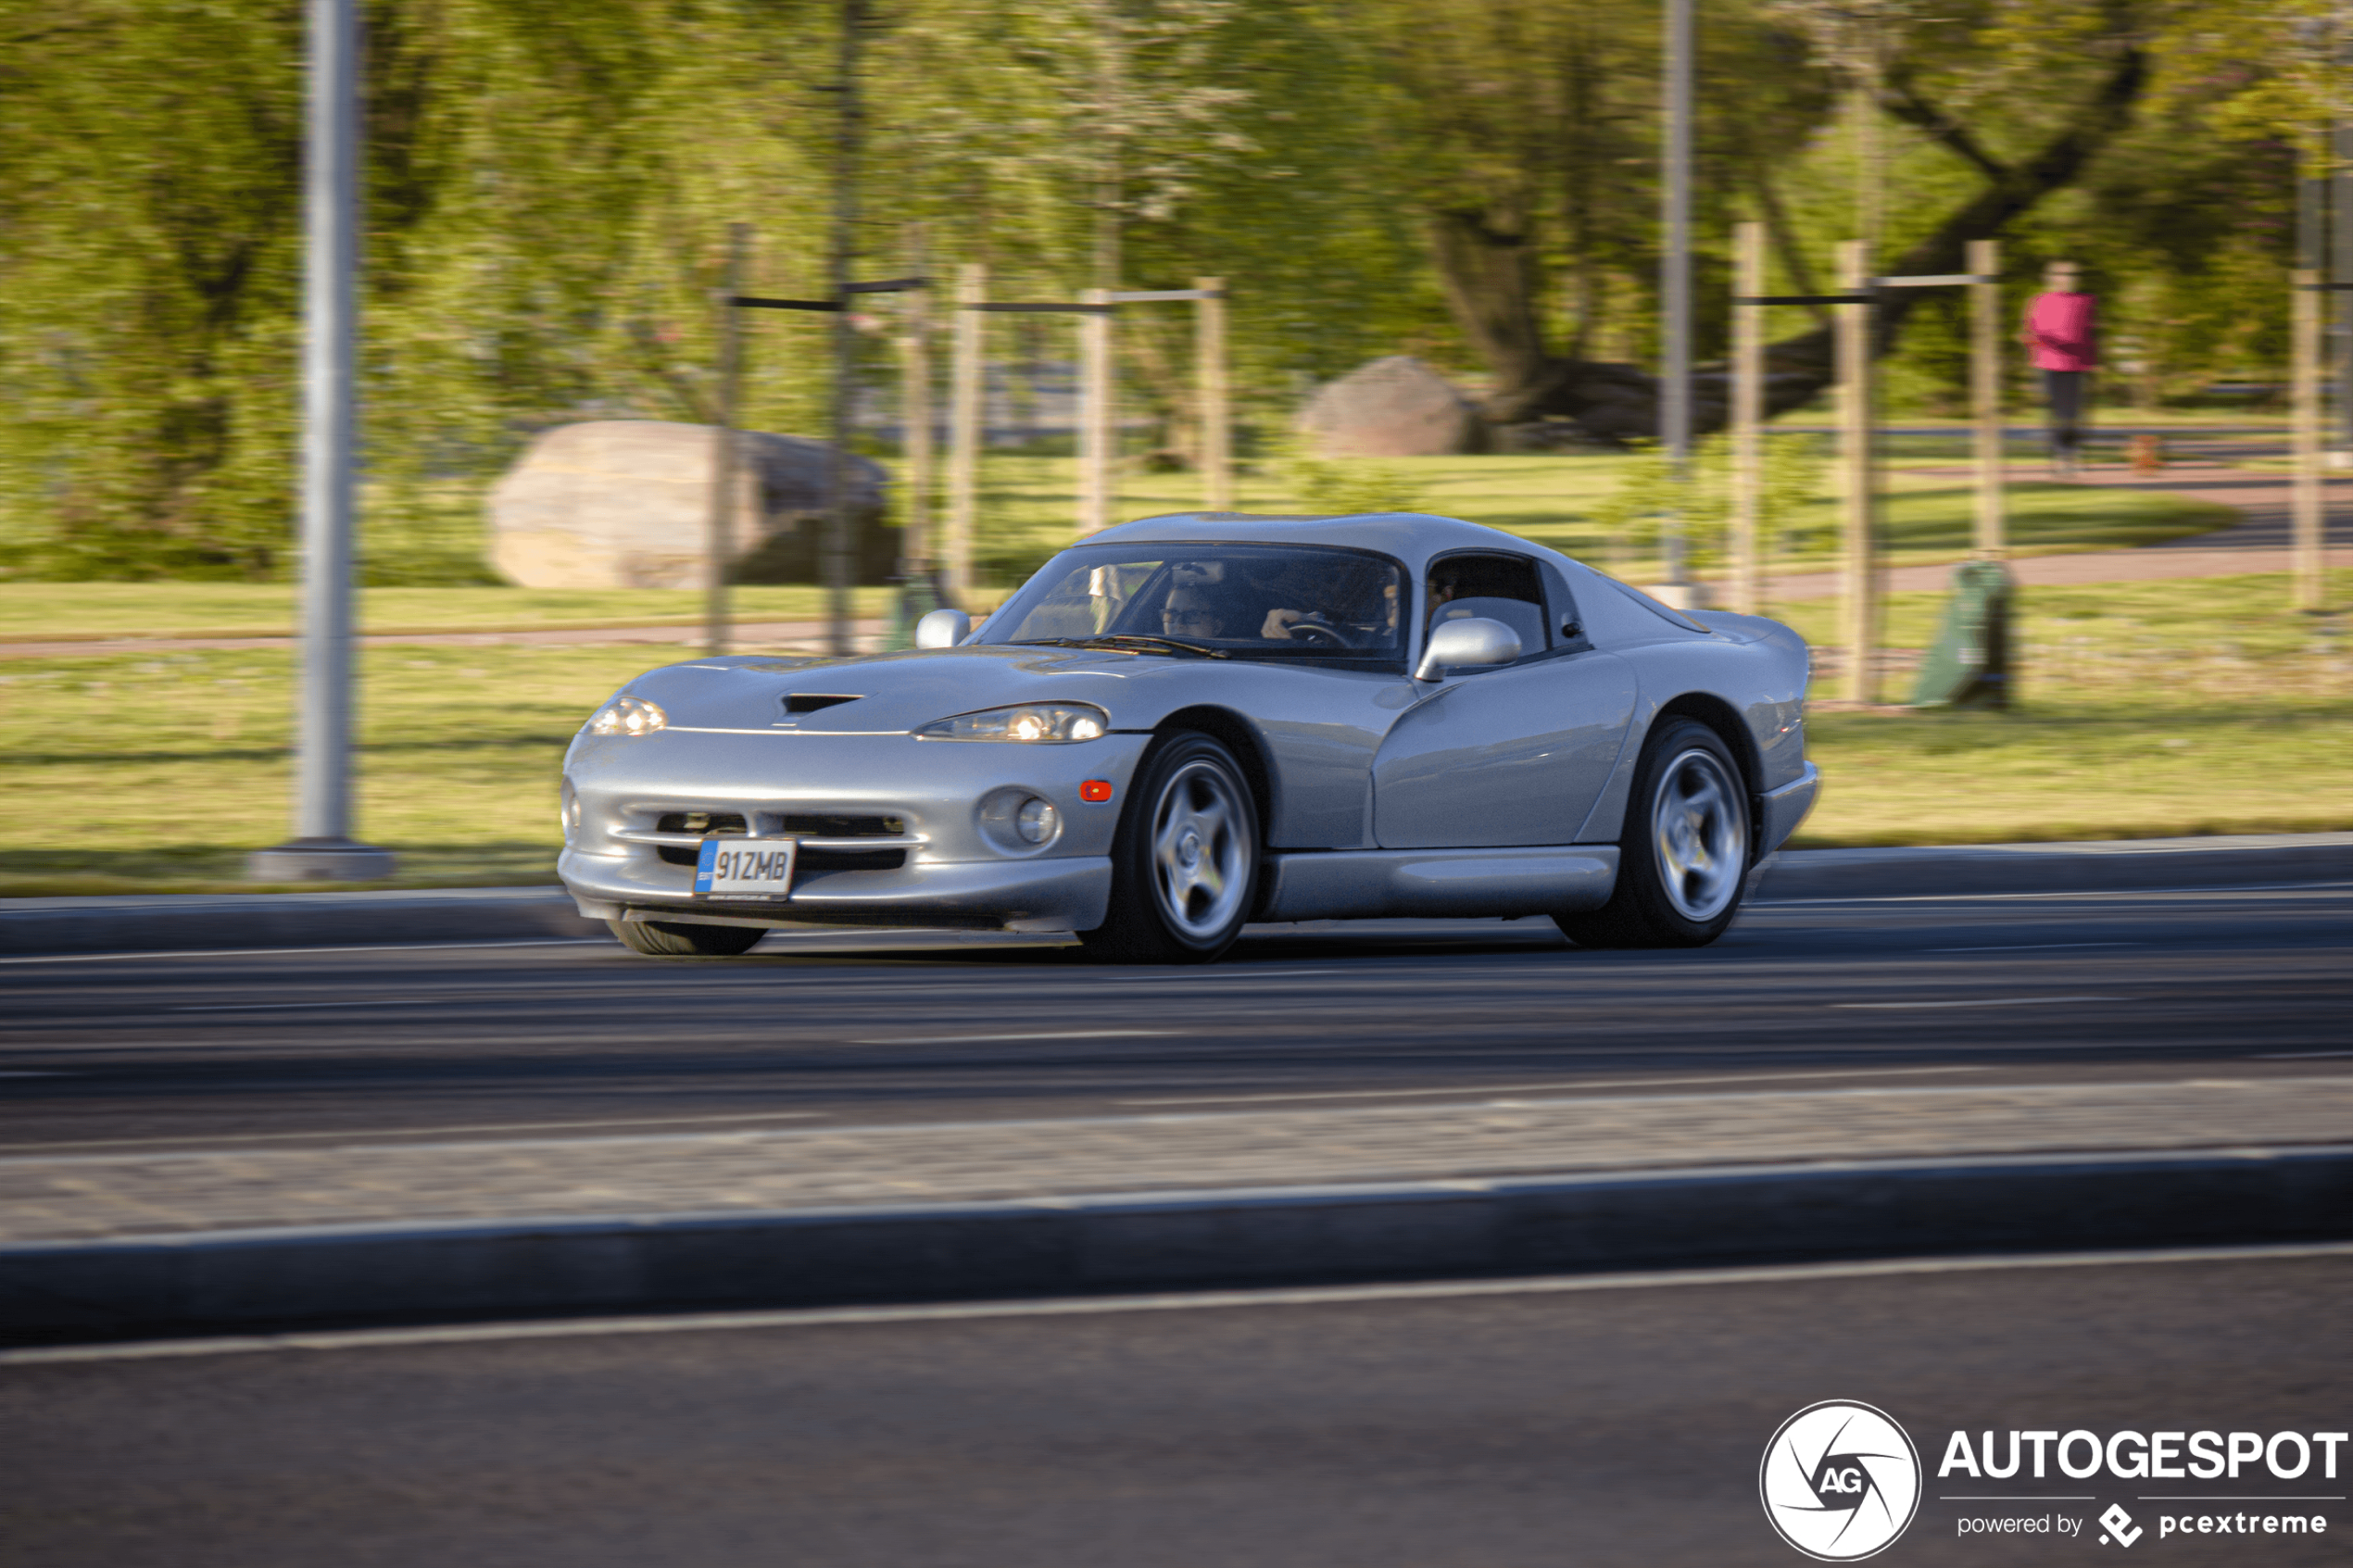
x,y
814,702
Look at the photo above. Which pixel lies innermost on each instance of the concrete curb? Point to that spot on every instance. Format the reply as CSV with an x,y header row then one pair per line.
x,y
2095,866
1154,1241
204,922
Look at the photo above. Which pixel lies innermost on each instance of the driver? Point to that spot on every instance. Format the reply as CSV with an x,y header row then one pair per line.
x,y
1189,611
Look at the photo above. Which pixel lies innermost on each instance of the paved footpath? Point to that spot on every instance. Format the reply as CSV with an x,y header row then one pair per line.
x,y
752,636
94,1197
2262,542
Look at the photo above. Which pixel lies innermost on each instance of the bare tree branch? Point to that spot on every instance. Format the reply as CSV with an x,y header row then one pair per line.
x,y
1905,101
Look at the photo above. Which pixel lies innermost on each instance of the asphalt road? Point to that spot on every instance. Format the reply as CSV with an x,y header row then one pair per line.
x,y
288,1046
1610,1421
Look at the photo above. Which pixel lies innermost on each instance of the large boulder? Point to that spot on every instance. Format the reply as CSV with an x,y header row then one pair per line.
x,y
1392,408
626,504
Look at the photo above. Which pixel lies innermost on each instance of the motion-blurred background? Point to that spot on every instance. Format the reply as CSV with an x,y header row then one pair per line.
x,y
1473,186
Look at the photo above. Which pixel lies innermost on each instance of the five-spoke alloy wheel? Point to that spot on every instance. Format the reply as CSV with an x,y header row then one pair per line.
x,y
1684,856
1184,865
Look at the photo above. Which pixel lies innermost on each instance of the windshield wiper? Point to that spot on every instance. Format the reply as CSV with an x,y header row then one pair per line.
x,y
1114,639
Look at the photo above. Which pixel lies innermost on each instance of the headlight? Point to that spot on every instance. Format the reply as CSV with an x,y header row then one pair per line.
x,y
1049,722
627,716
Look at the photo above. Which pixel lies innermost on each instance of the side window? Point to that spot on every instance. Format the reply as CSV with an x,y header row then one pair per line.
x,y
1498,587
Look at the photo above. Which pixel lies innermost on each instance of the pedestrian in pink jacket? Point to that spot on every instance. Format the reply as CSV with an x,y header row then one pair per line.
x,y
2062,329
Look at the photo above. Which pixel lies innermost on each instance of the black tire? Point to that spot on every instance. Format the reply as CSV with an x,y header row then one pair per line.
x,y
1683,859
685,939
1164,906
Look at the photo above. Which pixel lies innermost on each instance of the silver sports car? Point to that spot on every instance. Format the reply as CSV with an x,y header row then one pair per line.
x,y
1193,721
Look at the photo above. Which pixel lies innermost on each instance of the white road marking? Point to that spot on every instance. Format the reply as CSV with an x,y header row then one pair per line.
x,y
988,1039
2235,890
1174,1302
274,1007
1979,1002
1335,972
1571,1083
2031,946
185,1146
282,953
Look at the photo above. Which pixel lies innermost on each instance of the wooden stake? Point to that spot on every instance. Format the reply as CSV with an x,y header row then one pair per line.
x,y
1748,416
1209,346
719,535
2311,491
964,436
1095,418
1985,395
915,418
1860,610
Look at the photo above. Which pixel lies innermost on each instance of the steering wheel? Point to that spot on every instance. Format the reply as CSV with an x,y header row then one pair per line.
x,y
1318,635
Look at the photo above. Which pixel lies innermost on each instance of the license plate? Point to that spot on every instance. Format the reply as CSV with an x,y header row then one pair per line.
x,y
760,868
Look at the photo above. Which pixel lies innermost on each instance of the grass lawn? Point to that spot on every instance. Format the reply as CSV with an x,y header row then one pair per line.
x,y
2147,709
2144,709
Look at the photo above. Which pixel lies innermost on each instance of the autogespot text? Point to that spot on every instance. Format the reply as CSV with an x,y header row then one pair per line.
x,y
2187,1456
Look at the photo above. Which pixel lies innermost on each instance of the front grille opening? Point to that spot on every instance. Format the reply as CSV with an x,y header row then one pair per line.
x,y
809,861
821,824
848,860
813,702
701,821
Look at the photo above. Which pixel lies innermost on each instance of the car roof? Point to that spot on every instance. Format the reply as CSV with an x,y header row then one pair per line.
x,y
1411,537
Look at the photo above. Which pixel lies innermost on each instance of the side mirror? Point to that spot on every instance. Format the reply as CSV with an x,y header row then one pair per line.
x,y
943,629
1460,645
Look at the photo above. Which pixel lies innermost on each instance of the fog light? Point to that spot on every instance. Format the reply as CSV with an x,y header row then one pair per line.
x,y
1036,820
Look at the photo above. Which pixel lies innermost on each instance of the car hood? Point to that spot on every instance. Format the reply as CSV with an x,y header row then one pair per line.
x,y
895,693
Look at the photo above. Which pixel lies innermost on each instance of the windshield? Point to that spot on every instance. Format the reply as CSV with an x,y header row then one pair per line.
x,y
1252,600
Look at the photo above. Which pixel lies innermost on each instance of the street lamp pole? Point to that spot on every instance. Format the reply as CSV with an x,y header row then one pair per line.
x,y
840,555
1675,292
322,848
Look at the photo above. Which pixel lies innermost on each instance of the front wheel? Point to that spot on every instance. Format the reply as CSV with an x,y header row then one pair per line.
x,y
685,939
1682,861
1185,863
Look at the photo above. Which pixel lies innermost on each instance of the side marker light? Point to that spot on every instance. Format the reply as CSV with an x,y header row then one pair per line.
x,y
1095,790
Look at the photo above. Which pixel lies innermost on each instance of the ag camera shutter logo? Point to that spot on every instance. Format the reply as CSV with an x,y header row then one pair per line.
x,y
1840,1481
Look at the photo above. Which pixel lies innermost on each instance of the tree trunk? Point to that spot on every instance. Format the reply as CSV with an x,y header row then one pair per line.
x,y
1488,264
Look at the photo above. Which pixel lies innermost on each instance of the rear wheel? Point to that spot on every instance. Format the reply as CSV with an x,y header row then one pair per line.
x,y
1184,864
1682,861
685,939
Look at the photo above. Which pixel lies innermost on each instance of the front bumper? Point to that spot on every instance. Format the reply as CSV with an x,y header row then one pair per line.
x,y
1063,895
950,871
1782,810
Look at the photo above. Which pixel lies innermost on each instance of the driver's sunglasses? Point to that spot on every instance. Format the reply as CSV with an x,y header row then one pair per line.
x,y
1189,617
